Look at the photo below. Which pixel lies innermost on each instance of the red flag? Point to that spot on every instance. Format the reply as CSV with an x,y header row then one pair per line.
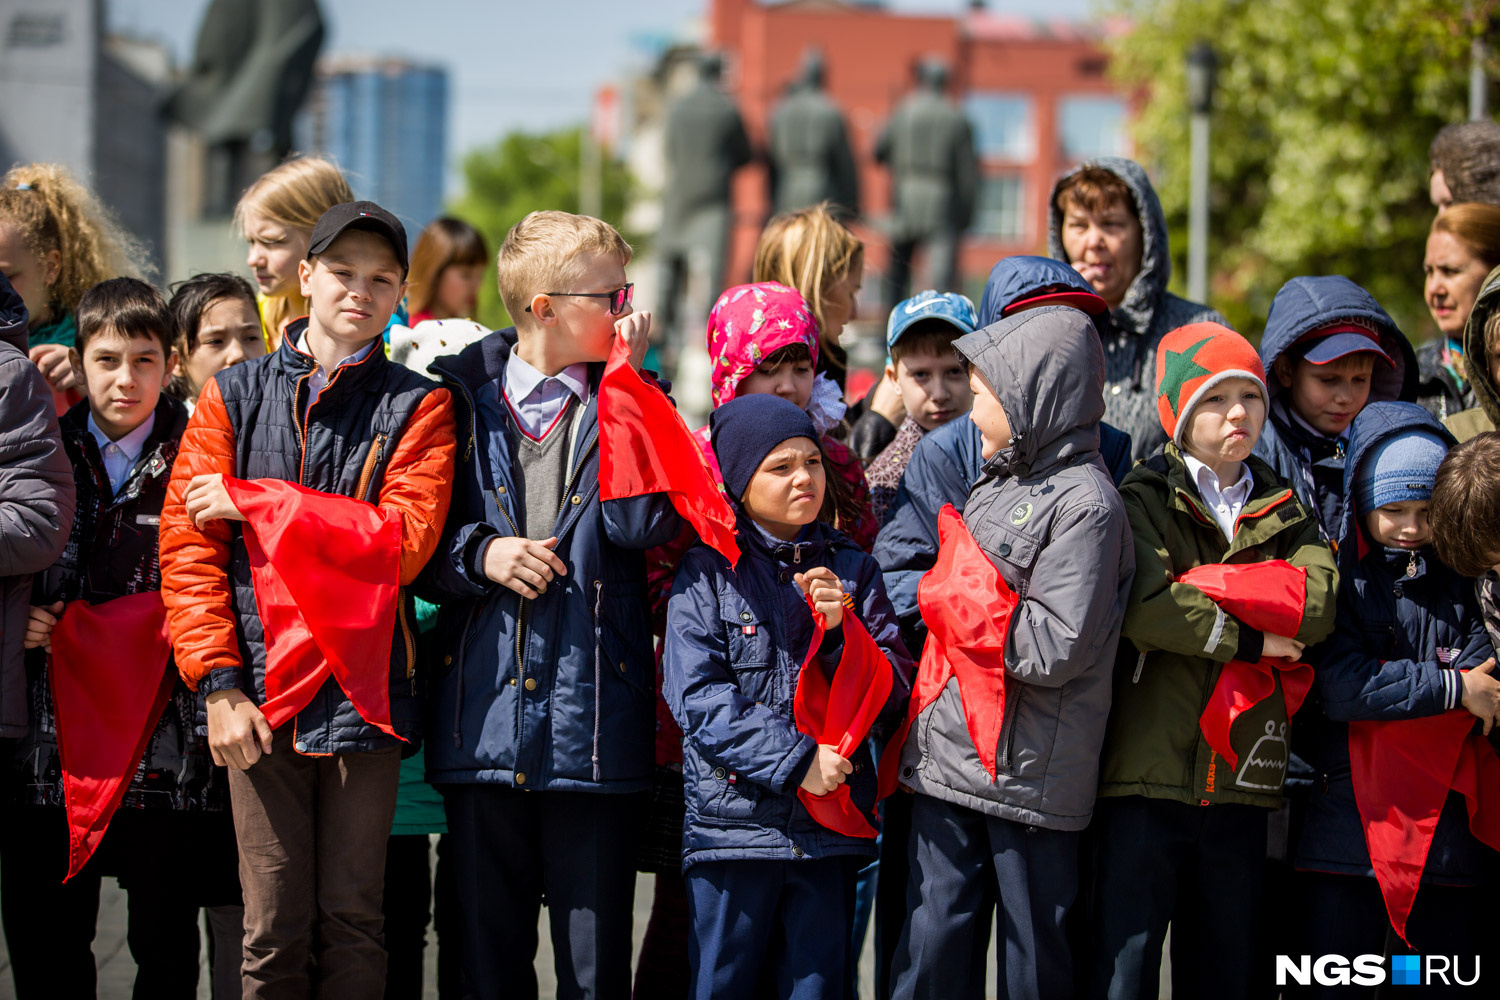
x,y
967,607
1402,772
840,712
110,681
326,570
644,447
1269,596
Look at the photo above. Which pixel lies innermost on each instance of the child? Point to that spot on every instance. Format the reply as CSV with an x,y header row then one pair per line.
x,y
769,886
121,442
1466,519
447,270
1047,517
1481,364
1330,349
1410,643
544,703
277,215
927,376
356,434
217,326
56,242
1181,833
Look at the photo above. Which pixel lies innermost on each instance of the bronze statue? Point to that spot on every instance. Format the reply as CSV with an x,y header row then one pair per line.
x,y
810,157
928,145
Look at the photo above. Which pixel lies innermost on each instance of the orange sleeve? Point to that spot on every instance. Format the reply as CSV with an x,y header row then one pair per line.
x,y
418,481
194,562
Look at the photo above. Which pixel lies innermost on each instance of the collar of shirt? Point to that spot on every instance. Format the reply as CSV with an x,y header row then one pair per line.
x,y
1224,502
537,399
1342,437
120,456
319,379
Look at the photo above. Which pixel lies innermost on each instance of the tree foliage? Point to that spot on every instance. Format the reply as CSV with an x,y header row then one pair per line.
x,y
526,172
1323,113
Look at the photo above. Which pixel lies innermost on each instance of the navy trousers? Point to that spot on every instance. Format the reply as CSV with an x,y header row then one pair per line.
x,y
790,916
1198,868
962,864
512,849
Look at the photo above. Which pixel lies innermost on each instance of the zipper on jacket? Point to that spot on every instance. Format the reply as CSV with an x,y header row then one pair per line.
x,y
299,421
562,504
521,611
1140,664
598,672
372,460
1008,734
407,638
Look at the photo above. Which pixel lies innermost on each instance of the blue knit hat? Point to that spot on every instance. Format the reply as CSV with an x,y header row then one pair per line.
x,y
1402,467
747,429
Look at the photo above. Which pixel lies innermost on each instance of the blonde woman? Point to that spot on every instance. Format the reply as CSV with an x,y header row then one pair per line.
x,y
277,214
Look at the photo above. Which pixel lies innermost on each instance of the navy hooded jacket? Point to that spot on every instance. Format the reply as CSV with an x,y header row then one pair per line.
x,y
557,692
1311,462
945,464
736,638
1406,625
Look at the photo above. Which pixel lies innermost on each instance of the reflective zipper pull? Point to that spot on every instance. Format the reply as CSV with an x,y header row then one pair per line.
x,y
1411,565
796,553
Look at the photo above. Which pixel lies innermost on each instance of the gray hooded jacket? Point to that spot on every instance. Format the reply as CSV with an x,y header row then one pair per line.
x,y
1048,516
36,499
1147,313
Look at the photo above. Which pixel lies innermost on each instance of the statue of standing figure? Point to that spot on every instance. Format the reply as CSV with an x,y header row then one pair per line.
x,y
810,157
705,144
928,145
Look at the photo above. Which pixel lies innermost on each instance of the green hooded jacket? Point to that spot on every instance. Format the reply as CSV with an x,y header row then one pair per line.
x,y
1153,745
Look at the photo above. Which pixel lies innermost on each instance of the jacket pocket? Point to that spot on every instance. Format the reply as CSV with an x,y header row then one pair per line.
x,y
1013,552
749,636
722,795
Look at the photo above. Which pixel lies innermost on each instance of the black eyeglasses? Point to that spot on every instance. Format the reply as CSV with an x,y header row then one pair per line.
x,y
618,299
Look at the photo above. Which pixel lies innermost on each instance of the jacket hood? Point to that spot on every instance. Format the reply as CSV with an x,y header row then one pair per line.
x,y
1145,292
1476,357
1376,423
14,319
1046,366
1025,277
1305,304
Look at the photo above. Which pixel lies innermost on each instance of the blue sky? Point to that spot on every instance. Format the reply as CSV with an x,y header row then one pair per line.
x,y
513,63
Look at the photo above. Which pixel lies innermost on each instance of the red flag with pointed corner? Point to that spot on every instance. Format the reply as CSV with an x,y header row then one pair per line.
x,y
326,571
840,712
967,607
644,447
1403,771
111,677
1269,596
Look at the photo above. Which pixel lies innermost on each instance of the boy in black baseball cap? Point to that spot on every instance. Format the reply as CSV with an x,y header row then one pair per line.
x,y
311,733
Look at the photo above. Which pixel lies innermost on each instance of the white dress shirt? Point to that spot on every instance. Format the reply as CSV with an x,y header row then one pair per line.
x,y
1224,502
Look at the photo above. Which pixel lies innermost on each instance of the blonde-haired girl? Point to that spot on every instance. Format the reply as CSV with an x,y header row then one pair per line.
x,y
56,242
277,214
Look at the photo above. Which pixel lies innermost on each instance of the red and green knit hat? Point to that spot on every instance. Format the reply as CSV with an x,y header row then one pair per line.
x,y
1192,359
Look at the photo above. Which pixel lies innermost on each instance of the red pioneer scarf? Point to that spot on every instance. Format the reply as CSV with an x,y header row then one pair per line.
x,y
110,681
644,447
967,608
1403,771
1269,596
326,571
840,712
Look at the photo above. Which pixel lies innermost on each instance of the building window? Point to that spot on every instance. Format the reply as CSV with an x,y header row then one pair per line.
x,y
1001,213
1003,126
1092,126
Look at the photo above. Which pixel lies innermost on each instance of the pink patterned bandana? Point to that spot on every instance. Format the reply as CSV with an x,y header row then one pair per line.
x,y
748,324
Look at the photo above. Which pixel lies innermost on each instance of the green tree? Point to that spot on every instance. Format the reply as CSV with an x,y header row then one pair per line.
x,y
1322,117
526,172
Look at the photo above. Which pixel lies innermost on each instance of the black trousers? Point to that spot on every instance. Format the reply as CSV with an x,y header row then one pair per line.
x,y
1198,868
413,900
513,849
963,864
49,925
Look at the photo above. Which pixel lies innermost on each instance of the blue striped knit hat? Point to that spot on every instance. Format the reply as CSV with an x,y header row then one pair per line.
x,y
1402,467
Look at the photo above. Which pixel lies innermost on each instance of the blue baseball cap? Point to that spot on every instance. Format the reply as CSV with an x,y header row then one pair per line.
x,y
950,307
1341,340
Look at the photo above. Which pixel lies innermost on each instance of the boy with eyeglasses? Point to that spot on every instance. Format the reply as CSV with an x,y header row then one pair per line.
x,y
544,699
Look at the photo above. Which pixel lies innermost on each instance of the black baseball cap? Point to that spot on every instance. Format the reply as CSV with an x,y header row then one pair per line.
x,y
358,215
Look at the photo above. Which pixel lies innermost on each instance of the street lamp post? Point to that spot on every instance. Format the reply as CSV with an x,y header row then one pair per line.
x,y
1202,66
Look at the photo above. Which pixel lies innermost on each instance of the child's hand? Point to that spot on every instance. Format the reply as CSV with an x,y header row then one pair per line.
x,y
635,330
206,499
827,772
1481,693
237,732
1281,647
39,624
827,592
56,367
523,565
